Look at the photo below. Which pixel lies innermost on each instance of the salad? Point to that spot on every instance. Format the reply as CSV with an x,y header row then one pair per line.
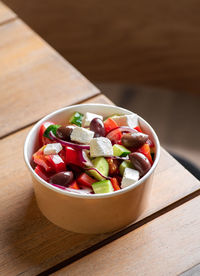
x,y
92,154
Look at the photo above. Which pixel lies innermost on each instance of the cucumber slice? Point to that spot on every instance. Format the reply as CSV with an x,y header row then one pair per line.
x,y
76,119
119,150
101,164
124,165
102,187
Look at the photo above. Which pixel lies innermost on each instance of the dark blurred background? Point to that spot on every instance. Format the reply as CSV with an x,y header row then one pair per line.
x,y
144,55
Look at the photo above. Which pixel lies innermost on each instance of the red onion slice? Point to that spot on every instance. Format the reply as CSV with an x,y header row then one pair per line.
x,y
122,129
80,191
70,144
84,159
120,158
94,169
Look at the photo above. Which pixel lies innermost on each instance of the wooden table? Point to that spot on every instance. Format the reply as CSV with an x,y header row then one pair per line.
x,y
35,80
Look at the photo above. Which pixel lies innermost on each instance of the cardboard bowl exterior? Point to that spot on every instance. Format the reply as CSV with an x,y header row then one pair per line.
x,y
90,213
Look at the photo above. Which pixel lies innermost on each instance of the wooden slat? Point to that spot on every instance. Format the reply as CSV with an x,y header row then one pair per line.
x,y
128,41
29,243
34,78
166,246
6,14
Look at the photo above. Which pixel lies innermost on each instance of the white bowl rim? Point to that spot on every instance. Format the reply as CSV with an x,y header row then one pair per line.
x,y
89,196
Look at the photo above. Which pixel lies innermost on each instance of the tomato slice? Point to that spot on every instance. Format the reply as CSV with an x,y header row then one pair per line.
x,y
62,154
113,166
52,162
145,149
74,185
39,159
72,157
115,184
110,124
138,128
56,162
150,143
115,136
85,180
43,140
42,173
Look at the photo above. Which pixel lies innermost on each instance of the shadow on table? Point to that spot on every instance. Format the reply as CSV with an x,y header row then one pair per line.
x,y
35,244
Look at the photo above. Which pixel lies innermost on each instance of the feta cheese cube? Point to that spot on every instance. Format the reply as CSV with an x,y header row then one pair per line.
x,y
88,117
127,120
81,135
100,146
52,148
130,177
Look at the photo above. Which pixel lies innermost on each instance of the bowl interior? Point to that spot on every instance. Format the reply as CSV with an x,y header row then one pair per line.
x,y
62,116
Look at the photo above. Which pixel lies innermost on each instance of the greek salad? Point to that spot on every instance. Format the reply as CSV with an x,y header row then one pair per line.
x,y
92,154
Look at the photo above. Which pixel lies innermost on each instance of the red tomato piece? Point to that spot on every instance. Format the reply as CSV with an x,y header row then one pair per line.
x,y
115,184
145,149
85,180
42,173
72,156
110,124
115,136
138,128
56,162
150,143
43,140
62,154
39,159
74,185
113,166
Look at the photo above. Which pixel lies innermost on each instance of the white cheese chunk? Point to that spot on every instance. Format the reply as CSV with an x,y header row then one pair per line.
x,y
127,120
88,117
130,177
81,135
100,146
52,148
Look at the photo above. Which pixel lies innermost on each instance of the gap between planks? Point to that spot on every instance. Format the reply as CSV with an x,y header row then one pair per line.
x,y
93,98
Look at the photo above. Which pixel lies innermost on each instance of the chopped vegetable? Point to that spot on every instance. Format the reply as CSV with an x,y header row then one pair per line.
x,y
145,149
119,150
102,187
113,166
124,165
53,129
76,119
43,140
101,165
115,184
74,185
85,180
138,128
109,125
56,162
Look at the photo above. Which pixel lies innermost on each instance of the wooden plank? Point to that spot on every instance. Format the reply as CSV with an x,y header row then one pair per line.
x,y
34,78
29,243
168,245
127,41
6,14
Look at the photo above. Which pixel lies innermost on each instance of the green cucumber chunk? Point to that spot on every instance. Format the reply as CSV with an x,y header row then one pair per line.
x,y
101,164
119,150
76,119
102,187
124,165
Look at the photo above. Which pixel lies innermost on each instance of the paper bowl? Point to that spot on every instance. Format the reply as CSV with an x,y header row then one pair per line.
x,y
90,213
